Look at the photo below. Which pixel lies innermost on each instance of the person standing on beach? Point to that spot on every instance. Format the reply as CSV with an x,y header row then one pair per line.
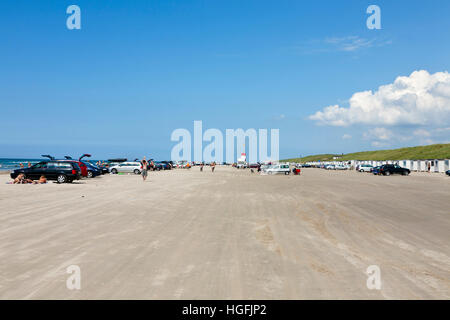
x,y
201,167
213,166
144,169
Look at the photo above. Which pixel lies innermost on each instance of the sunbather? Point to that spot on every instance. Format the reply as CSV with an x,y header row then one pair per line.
x,y
42,180
20,179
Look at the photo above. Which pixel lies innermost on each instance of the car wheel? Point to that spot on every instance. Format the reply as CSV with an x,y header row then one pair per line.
x,y
90,174
361,170
286,173
136,171
387,173
114,171
61,178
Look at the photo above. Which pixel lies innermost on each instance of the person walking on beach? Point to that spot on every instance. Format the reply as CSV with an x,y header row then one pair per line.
x,y
152,166
144,173
213,166
201,167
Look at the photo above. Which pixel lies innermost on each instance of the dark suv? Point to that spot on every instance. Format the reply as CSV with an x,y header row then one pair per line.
x,y
60,171
389,169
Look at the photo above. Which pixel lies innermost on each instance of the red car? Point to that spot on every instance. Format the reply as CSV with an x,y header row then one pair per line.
x,y
84,170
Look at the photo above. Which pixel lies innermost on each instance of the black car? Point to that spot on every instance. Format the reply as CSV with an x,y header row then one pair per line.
x,y
104,169
53,170
389,169
93,171
447,172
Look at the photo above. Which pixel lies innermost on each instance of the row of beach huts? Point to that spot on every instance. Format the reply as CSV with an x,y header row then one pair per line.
x,y
429,165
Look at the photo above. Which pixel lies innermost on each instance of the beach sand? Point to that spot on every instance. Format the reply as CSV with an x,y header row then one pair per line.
x,y
230,234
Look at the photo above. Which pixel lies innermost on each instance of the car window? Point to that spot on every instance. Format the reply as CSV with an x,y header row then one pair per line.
x,y
60,165
51,165
40,165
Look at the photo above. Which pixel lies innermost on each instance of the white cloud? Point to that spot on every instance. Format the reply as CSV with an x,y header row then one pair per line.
x,y
419,99
422,133
378,144
378,134
346,136
440,130
279,117
336,44
350,43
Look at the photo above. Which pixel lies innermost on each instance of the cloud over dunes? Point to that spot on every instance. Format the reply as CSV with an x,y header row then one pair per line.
x,y
419,99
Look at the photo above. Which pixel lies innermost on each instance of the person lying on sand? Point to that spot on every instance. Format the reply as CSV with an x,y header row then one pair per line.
x,y
20,179
42,180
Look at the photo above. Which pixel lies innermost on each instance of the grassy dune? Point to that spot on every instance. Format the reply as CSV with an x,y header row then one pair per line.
x,y
434,151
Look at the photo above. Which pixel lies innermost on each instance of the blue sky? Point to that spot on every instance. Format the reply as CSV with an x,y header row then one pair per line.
x,y
137,70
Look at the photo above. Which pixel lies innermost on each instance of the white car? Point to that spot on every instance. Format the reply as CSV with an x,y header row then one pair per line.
x,y
365,168
330,167
278,168
126,167
241,165
340,167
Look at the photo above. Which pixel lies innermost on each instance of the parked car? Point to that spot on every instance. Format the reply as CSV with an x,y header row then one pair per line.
x,y
376,170
340,167
92,170
365,168
61,171
162,165
183,164
389,169
104,168
278,168
447,172
126,167
81,165
170,164
241,165
254,165
330,167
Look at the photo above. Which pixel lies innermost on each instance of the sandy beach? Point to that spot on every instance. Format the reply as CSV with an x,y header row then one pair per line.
x,y
186,234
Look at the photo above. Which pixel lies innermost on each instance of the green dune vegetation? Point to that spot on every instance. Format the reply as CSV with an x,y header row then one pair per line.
x,y
434,151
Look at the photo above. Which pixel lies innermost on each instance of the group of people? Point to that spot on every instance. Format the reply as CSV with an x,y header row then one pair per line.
x,y
21,179
22,166
212,165
146,166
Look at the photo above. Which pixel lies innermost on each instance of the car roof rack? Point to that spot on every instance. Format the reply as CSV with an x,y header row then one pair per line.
x,y
118,160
